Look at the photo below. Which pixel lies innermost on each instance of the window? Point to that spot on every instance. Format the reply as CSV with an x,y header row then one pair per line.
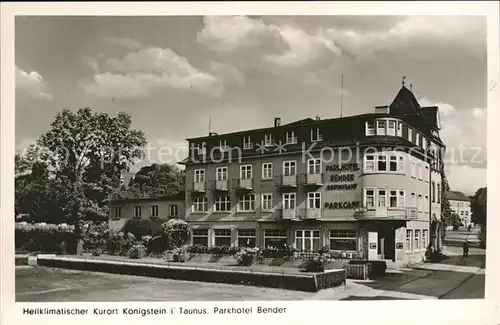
x,y
393,163
433,192
289,168
410,134
307,240
154,211
275,238
413,200
369,198
315,135
401,199
413,169
222,237
221,173
117,213
424,239
222,203
419,202
343,240
246,171
426,203
393,198
399,129
401,164
267,170
369,163
137,211
268,140
223,145
461,213
246,238
417,240
466,213
289,201
199,175
174,210
408,240
382,198
201,148
200,204
417,139
247,143
424,143
314,200
426,173
370,128
420,171
246,203
267,202
391,127
381,127
290,138
314,166
200,237
382,163
438,193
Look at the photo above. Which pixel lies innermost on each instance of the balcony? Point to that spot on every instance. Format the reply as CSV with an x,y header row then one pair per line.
x,y
197,187
313,179
243,184
287,214
221,186
382,213
312,214
286,181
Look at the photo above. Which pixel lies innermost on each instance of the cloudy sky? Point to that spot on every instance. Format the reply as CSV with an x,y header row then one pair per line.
x,y
172,73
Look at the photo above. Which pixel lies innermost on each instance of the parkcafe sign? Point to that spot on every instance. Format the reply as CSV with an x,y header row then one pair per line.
x,y
342,182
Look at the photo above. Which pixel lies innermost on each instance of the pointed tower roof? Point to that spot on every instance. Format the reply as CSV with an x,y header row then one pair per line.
x,y
405,103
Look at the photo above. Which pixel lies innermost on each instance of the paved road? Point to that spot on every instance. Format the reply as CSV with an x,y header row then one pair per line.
x,y
454,278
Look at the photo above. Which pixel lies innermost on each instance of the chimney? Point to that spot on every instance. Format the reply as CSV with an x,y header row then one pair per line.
x,y
277,121
318,118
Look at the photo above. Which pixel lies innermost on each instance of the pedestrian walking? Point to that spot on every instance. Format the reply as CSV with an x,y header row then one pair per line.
x,y
465,248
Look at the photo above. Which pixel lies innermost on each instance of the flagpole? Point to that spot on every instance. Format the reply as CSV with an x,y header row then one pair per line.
x,y
341,94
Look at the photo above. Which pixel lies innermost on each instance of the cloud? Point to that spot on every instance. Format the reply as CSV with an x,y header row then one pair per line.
x,y
124,42
465,178
32,83
150,71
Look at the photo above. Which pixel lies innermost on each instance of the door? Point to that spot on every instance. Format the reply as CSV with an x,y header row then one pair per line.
x,y
372,245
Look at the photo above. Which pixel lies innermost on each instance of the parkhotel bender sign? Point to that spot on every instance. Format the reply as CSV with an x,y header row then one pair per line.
x,y
346,183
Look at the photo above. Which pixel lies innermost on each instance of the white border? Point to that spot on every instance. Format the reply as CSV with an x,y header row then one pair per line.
x,y
397,312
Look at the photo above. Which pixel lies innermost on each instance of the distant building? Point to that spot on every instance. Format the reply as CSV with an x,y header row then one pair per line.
x,y
171,206
460,204
259,188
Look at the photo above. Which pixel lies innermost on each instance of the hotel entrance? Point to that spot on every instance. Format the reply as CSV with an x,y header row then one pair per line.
x,y
386,248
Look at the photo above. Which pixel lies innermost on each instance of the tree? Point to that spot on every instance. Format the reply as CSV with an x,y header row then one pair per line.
x,y
446,212
155,180
86,153
479,211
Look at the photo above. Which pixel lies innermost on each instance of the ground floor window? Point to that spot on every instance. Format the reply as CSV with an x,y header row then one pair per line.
x,y
200,237
246,238
307,240
408,240
275,238
222,237
424,238
417,240
343,240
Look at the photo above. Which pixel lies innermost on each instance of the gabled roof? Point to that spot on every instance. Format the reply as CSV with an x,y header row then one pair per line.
x,y
456,196
405,103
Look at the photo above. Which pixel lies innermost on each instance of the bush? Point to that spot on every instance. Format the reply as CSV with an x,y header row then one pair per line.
x,y
223,250
177,232
137,251
482,236
198,249
318,263
138,227
95,236
120,243
157,245
246,256
180,254
44,238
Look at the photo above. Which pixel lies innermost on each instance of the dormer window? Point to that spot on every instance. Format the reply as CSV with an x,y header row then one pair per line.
x,y
268,140
223,145
201,148
424,143
290,138
391,127
399,130
315,135
410,134
247,143
417,139
370,128
380,127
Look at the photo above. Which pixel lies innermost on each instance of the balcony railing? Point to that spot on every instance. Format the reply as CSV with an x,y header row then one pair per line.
x,y
310,213
386,213
286,181
197,187
221,186
243,184
287,214
313,179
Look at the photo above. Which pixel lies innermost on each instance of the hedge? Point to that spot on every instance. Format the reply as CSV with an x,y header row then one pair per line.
x,y
44,238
